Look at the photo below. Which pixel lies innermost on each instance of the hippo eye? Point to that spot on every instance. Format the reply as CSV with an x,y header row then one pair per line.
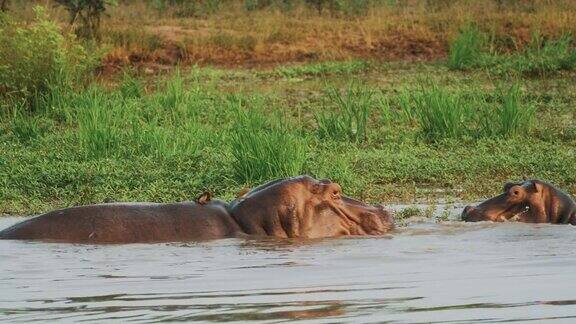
x,y
336,195
516,192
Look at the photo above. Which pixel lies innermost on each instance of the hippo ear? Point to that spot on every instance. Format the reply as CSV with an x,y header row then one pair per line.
x,y
508,185
532,186
204,198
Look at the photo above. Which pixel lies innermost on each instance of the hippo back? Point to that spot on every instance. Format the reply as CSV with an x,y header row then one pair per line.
x,y
128,223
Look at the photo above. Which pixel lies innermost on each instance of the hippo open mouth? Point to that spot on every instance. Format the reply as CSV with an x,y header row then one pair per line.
x,y
531,201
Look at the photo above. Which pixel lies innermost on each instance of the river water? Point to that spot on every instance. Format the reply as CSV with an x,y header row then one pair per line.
x,y
424,272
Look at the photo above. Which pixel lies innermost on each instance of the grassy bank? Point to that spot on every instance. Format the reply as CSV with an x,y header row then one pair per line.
x,y
152,34
395,132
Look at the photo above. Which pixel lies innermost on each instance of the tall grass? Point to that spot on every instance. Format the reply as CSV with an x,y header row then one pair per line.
x,y
441,114
99,124
25,126
347,114
540,57
466,49
512,118
262,150
543,56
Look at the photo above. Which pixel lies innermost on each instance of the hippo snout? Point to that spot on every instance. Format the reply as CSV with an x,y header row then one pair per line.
x,y
466,213
386,215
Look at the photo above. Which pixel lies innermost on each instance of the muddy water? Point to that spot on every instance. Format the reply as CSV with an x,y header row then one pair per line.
x,y
425,272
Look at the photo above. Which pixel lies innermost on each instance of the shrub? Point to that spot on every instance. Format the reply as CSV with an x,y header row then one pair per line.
x,y
37,58
89,13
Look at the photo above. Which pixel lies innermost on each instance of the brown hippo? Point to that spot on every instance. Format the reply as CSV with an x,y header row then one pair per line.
x,y
129,223
531,201
305,207
293,207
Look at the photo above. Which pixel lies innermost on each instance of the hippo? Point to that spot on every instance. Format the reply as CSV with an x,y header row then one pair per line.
x,y
305,207
129,223
530,201
296,207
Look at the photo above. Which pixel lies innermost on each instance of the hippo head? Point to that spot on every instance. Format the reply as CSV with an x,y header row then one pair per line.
x,y
305,207
515,201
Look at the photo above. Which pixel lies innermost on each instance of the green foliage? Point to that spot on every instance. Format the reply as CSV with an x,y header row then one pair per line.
x,y
323,69
511,118
168,140
99,124
346,116
262,150
442,114
544,56
25,126
539,58
36,58
466,49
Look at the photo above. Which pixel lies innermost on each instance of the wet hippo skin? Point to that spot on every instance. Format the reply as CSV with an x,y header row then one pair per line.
x,y
305,207
128,223
293,207
531,201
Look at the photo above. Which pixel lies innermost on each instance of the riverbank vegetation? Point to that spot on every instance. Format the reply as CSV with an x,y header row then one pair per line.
x,y
452,125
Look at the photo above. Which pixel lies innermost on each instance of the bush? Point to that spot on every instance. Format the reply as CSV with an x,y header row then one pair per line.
x,y
89,13
37,58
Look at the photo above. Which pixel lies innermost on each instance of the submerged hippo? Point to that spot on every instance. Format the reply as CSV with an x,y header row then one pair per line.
x,y
294,207
305,207
531,201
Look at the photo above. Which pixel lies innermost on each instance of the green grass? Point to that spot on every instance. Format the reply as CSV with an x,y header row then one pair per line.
x,y
345,117
322,69
457,135
263,148
465,114
511,118
541,57
466,49
440,114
